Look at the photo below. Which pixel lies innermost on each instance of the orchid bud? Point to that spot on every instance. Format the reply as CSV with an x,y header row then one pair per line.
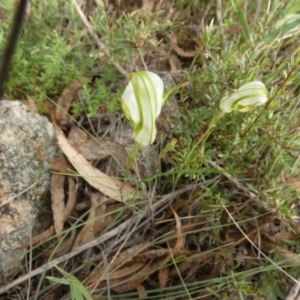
x,y
141,102
245,98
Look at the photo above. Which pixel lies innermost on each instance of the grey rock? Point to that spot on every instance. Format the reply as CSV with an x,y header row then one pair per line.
x,y
26,139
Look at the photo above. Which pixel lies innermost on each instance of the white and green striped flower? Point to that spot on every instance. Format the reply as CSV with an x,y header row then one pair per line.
x,y
141,102
245,98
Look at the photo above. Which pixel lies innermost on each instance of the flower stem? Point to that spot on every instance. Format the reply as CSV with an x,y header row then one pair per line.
x,y
132,155
201,142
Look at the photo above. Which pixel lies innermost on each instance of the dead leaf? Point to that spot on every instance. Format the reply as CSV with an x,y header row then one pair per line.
x,y
96,148
148,255
77,135
82,206
119,267
59,165
177,205
292,258
105,214
175,66
129,269
142,292
164,272
179,51
294,291
148,5
294,183
151,5
156,253
61,212
123,285
171,236
268,244
180,238
86,234
65,100
280,236
100,148
139,277
163,277
126,271
50,110
39,238
57,202
29,102
158,4
100,181
129,255
64,246
72,198
217,262
193,262
224,221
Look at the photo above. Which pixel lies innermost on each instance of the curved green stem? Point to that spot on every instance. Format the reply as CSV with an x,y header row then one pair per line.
x,y
201,142
132,155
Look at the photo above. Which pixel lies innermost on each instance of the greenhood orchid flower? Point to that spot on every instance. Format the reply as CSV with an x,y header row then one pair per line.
x,y
142,101
245,98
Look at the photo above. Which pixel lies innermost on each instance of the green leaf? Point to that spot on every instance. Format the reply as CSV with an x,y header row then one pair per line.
x,y
242,19
76,287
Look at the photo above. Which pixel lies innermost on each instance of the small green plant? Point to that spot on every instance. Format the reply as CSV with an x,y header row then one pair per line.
x,y
78,291
244,99
142,101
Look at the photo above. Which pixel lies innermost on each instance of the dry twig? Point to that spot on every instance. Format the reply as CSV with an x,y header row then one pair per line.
x,y
294,293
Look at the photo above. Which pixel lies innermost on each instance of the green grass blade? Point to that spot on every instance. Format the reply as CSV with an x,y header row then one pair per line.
x,y
242,19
